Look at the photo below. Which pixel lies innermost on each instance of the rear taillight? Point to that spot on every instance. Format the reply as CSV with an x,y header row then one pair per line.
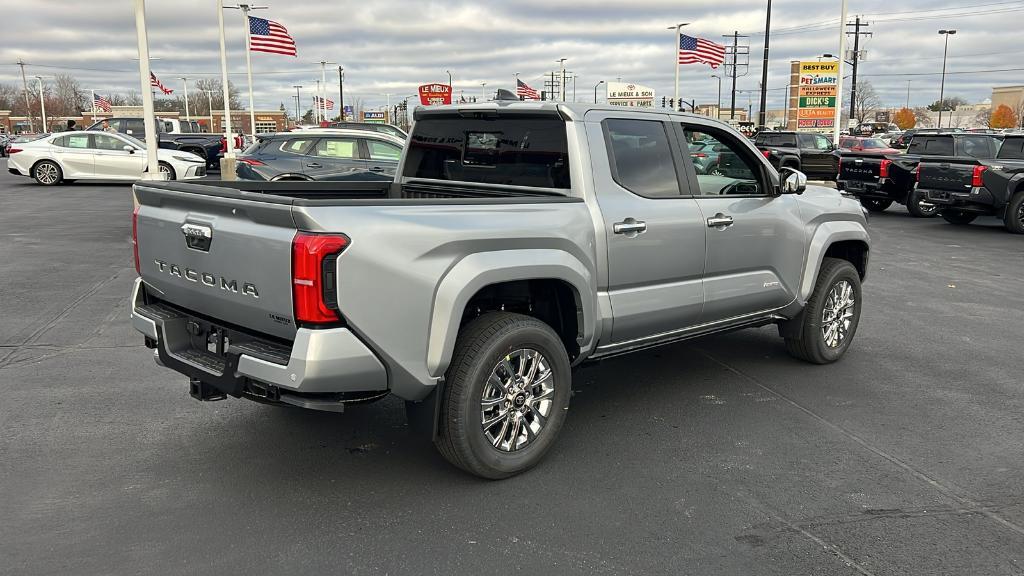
x,y
698,155
251,162
13,150
314,285
767,153
917,173
135,239
976,181
223,145
883,168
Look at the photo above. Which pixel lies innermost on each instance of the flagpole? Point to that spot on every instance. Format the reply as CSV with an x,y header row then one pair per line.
x,y
152,171
188,115
248,66
318,103
323,86
230,139
675,58
93,92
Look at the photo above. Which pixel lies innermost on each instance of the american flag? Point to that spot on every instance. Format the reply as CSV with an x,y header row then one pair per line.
x,y
269,36
700,51
329,103
101,103
522,89
158,84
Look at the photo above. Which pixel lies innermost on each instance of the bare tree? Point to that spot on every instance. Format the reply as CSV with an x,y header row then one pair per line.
x,y
866,104
67,98
983,118
199,102
924,119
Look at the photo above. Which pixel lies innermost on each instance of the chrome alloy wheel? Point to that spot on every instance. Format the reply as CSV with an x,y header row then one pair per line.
x,y
837,314
46,173
517,400
1020,214
165,168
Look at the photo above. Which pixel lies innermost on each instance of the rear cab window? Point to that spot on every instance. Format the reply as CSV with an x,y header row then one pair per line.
x,y
1012,149
641,157
931,145
518,151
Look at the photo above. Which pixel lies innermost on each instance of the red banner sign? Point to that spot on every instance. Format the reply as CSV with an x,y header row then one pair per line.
x,y
435,94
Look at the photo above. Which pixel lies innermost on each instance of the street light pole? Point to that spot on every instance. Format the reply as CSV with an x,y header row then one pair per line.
x,y
561,61
297,100
152,171
228,167
595,90
718,111
341,93
762,113
483,91
42,102
942,83
449,73
188,115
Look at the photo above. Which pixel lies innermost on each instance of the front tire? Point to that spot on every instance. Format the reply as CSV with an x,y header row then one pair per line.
x,y
919,206
505,396
47,173
829,321
958,217
875,204
1014,217
169,170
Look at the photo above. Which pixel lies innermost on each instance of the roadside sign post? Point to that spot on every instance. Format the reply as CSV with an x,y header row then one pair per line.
x,y
152,171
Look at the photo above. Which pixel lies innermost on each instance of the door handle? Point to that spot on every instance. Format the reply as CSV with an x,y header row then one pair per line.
x,y
376,169
314,165
630,226
720,221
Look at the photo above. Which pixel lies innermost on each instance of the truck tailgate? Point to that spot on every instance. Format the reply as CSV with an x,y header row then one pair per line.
x,y
946,174
224,257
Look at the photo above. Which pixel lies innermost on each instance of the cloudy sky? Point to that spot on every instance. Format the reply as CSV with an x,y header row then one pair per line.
x,y
391,46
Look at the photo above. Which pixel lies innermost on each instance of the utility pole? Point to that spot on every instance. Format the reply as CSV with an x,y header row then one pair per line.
x,y
735,51
857,25
297,100
562,62
341,92
908,95
764,69
28,105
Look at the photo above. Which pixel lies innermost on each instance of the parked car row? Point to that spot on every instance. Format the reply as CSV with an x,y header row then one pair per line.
x,y
321,154
210,147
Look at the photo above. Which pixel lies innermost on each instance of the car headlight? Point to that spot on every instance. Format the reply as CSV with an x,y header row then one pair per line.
x,y
188,158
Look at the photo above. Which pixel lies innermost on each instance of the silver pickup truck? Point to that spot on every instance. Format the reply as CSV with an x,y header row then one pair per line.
x,y
517,241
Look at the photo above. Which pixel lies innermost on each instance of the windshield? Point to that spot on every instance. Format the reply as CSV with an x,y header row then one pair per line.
x,y
138,143
873,144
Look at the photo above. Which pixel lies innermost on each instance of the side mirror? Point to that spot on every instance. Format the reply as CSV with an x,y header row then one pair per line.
x,y
129,149
793,181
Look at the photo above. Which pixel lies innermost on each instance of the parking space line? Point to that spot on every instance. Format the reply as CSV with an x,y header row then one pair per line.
x,y
935,484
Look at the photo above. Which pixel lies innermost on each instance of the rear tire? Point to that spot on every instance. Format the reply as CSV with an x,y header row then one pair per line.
x,y
829,321
918,205
875,204
1014,217
958,217
167,169
47,173
512,370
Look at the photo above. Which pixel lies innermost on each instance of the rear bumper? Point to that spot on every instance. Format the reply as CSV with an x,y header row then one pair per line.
x,y
976,200
869,188
319,362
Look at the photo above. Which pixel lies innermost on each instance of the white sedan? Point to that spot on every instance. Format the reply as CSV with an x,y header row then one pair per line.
x,y
70,156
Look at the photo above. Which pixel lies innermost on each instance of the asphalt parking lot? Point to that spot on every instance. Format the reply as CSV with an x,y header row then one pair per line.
x,y
719,456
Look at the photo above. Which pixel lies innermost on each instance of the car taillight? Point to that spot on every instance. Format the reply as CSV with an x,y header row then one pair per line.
x,y
135,239
251,162
767,153
314,285
883,169
223,145
976,181
698,155
13,150
917,173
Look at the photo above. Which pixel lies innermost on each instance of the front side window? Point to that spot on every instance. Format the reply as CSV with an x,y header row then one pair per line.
x,y
641,158
107,142
346,148
822,143
737,171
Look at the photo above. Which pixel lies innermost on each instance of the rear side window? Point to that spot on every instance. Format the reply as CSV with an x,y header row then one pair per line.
x,y
295,145
1012,149
784,140
133,126
73,141
641,158
383,150
933,145
519,151
978,146
347,148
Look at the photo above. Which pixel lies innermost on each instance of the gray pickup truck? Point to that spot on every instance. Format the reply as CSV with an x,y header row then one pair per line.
x,y
518,241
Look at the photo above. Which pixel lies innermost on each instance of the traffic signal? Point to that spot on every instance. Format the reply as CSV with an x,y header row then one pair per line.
x,y
672,103
662,101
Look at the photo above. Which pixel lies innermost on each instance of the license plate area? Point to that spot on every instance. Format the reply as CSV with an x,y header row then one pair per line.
x,y
939,195
854,185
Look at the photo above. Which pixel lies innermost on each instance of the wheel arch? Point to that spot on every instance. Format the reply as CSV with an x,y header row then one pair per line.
x,y
846,240
548,284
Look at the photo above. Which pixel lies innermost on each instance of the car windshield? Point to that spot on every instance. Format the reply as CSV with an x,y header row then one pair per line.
x,y
873,144
135,141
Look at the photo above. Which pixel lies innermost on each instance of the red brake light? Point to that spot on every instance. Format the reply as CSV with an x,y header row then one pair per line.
x,y
976,176
698,155
314,286
917,173
135,239
767,153
13,150
223,145
251,162
883,169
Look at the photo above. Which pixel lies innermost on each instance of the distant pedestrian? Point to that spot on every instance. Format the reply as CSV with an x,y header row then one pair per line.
x,y
71,126
107,128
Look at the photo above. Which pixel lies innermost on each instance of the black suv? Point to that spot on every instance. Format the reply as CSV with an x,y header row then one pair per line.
x,y
812,154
